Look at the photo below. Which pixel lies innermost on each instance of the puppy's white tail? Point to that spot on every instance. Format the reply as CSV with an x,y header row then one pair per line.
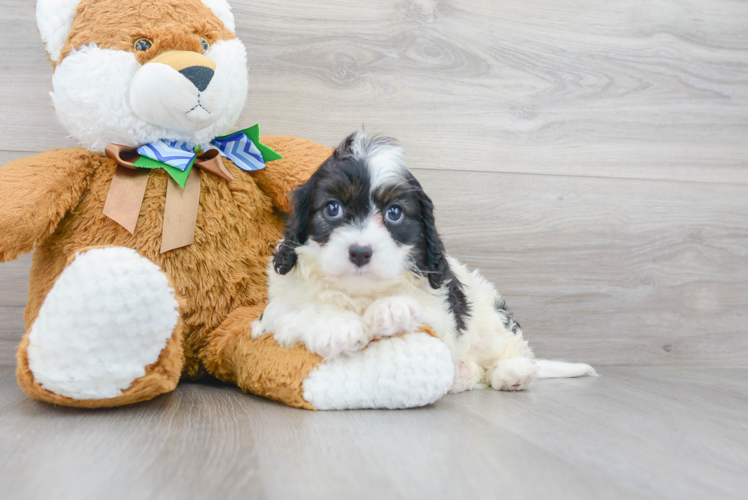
x,y
561,369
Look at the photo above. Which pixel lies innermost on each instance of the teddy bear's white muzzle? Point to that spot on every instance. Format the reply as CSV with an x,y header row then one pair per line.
x,y
187,99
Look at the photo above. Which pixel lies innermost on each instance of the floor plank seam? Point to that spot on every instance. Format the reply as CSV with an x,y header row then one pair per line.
x,y
543,174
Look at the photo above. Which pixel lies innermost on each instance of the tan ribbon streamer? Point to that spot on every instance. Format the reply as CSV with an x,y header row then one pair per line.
x,y
127,190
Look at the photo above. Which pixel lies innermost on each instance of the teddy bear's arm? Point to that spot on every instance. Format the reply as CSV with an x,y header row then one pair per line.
x,y
35,194
301,158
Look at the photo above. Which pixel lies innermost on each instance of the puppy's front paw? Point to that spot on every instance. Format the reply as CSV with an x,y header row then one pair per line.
x,y
393,315
462,380
339,335
515,374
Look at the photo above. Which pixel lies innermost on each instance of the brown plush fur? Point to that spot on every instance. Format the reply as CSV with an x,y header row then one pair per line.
x,y
224,270
259,366
58,177
169,24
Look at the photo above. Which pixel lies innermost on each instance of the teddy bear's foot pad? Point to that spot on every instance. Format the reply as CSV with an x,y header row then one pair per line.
x,y
399,372
108,317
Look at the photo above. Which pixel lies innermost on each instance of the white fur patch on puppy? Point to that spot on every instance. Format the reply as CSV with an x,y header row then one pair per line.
x,y
393,315
107,318
340,334
387,264
514,374
54,18
385,159
407,372
562,369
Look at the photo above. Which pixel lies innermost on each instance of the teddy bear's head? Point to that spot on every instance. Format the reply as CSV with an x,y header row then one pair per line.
x,y
135,72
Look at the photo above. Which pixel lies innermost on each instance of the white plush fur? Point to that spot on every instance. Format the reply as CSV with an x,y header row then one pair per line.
x,y
97,109
54,18
163,97
407,372
107,318
222,10
336,307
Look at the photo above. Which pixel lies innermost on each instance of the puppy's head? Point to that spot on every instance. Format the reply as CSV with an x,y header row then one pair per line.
x,y
135,72
363,219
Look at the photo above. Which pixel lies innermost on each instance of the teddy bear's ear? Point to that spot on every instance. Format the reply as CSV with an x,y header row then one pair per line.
x,y
54,18
222,10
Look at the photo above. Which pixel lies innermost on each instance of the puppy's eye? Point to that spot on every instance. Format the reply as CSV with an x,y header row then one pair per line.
x,y
205,43
394,215
142,44
334,211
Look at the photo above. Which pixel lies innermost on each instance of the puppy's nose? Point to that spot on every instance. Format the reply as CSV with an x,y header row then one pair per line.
x,y
360,255
200,76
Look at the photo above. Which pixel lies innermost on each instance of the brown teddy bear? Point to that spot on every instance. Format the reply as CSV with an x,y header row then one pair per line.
x,y
151,241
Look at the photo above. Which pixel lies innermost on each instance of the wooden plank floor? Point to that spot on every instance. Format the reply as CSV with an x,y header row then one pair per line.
x,y
635,432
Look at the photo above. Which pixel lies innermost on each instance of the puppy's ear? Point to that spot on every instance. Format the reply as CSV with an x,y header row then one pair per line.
x,y
296,228
433,262
433,257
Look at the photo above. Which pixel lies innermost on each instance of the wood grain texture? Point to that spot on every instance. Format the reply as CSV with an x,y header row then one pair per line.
x,y
611,271
634,433
632,89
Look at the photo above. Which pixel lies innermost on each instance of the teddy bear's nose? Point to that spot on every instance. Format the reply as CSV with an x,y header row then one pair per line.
x,y
200,76
195,67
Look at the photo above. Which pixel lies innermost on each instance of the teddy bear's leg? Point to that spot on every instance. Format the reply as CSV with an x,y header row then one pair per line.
x,y
398,372
108,333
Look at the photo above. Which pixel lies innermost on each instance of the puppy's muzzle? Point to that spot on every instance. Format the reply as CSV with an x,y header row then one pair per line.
x,y
197,68
360,255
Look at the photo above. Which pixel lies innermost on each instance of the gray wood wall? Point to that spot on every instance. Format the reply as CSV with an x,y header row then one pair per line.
x,y
591,157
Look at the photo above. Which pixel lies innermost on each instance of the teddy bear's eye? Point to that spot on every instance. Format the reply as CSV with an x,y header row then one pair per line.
x,y
205,43
142,44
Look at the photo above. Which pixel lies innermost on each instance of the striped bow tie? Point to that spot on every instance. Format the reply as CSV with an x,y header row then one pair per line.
x,y
178,159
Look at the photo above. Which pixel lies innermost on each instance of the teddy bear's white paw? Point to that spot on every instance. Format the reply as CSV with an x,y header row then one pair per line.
x,y
340,334
392,316
108,316
514,374
395,372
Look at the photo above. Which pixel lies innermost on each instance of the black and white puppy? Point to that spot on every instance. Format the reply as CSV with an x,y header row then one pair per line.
x,y
362,259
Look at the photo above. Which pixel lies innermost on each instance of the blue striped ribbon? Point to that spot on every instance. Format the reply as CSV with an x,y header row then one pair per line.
x,y
241,150
175,154
237,147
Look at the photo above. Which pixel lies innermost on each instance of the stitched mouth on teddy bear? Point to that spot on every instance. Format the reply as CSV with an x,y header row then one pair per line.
x,y
179,92
198,107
